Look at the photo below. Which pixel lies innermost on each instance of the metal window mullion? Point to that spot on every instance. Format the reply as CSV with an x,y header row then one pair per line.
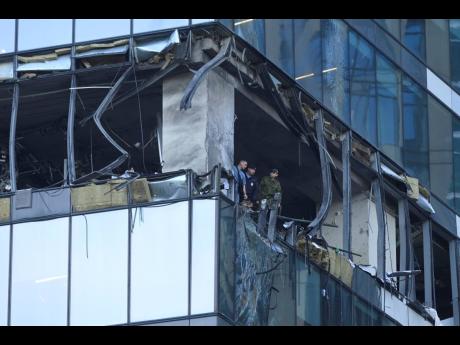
x,y
70,128
427,264
10,275
190,228
377,189
454,280
346,185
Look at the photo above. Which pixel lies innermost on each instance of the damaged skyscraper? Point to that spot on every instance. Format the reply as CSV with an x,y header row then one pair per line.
x,y
117,202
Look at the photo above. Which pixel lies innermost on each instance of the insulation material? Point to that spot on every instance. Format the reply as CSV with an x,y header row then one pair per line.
x,y
412,187
144,50
6,70
340,267
88,47
61,63
140,191
93,196
4,209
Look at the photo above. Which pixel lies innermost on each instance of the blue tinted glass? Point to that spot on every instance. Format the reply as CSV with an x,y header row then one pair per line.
x,y
37,33
391,25
415,130
39,273
93,29
388,108
437,46
440,144
456,145
4,269
252,30
362,90
454,25
336,88
307,38
279,43
144,25
413,36
7,35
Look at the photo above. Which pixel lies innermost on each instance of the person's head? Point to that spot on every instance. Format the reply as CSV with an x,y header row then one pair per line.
x,y
251,170
274,173
243,164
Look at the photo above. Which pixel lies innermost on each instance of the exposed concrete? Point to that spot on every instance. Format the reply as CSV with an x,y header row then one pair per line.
x,y
201,136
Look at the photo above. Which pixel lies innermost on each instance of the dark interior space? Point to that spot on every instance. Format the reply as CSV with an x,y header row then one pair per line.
x,y
417,242
264,142
6,95
134,123
441,267
41,130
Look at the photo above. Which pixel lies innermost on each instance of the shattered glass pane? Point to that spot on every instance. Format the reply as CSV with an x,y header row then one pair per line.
x,y
227,259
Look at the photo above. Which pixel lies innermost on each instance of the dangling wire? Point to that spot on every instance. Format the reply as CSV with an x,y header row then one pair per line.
x,y
140,122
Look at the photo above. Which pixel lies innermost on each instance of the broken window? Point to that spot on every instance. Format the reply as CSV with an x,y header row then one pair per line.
x,y
41,132
7,28
49,62
97,54
6,97
441,271
134,124
38,33
93,29
226,259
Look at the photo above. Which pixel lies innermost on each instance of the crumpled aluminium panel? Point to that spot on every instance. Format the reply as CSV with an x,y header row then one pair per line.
x,y
146,49
120,50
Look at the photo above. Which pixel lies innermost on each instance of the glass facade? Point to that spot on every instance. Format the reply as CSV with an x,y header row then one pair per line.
x,y
389,108
279,43
7,28
307,55
145,25
415,133
362,88
335,68
163,292
39,273
84,28
38,33
454,28
413,36
4,272
253,31
99,269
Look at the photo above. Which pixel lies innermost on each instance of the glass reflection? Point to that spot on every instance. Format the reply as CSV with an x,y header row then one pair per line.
x,y
454,27
388,108
39,277
7,28
203,256
92,29
145,25
38,33
99,276
4,271
362,88
252,30
413,36
307,45
279,45
227,259
159,262
336,82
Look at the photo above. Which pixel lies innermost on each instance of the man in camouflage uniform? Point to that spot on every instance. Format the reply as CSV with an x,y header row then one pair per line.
x,y
269,186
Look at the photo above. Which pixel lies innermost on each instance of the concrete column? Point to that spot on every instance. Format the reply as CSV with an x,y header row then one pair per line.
x,y
202,136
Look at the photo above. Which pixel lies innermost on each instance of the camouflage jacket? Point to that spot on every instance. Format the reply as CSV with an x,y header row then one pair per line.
x,y
268,188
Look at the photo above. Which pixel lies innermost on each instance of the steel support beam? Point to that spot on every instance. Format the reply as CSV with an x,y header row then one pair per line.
x,y
453,256
378,195
12,144
346,187
428,264
70,131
